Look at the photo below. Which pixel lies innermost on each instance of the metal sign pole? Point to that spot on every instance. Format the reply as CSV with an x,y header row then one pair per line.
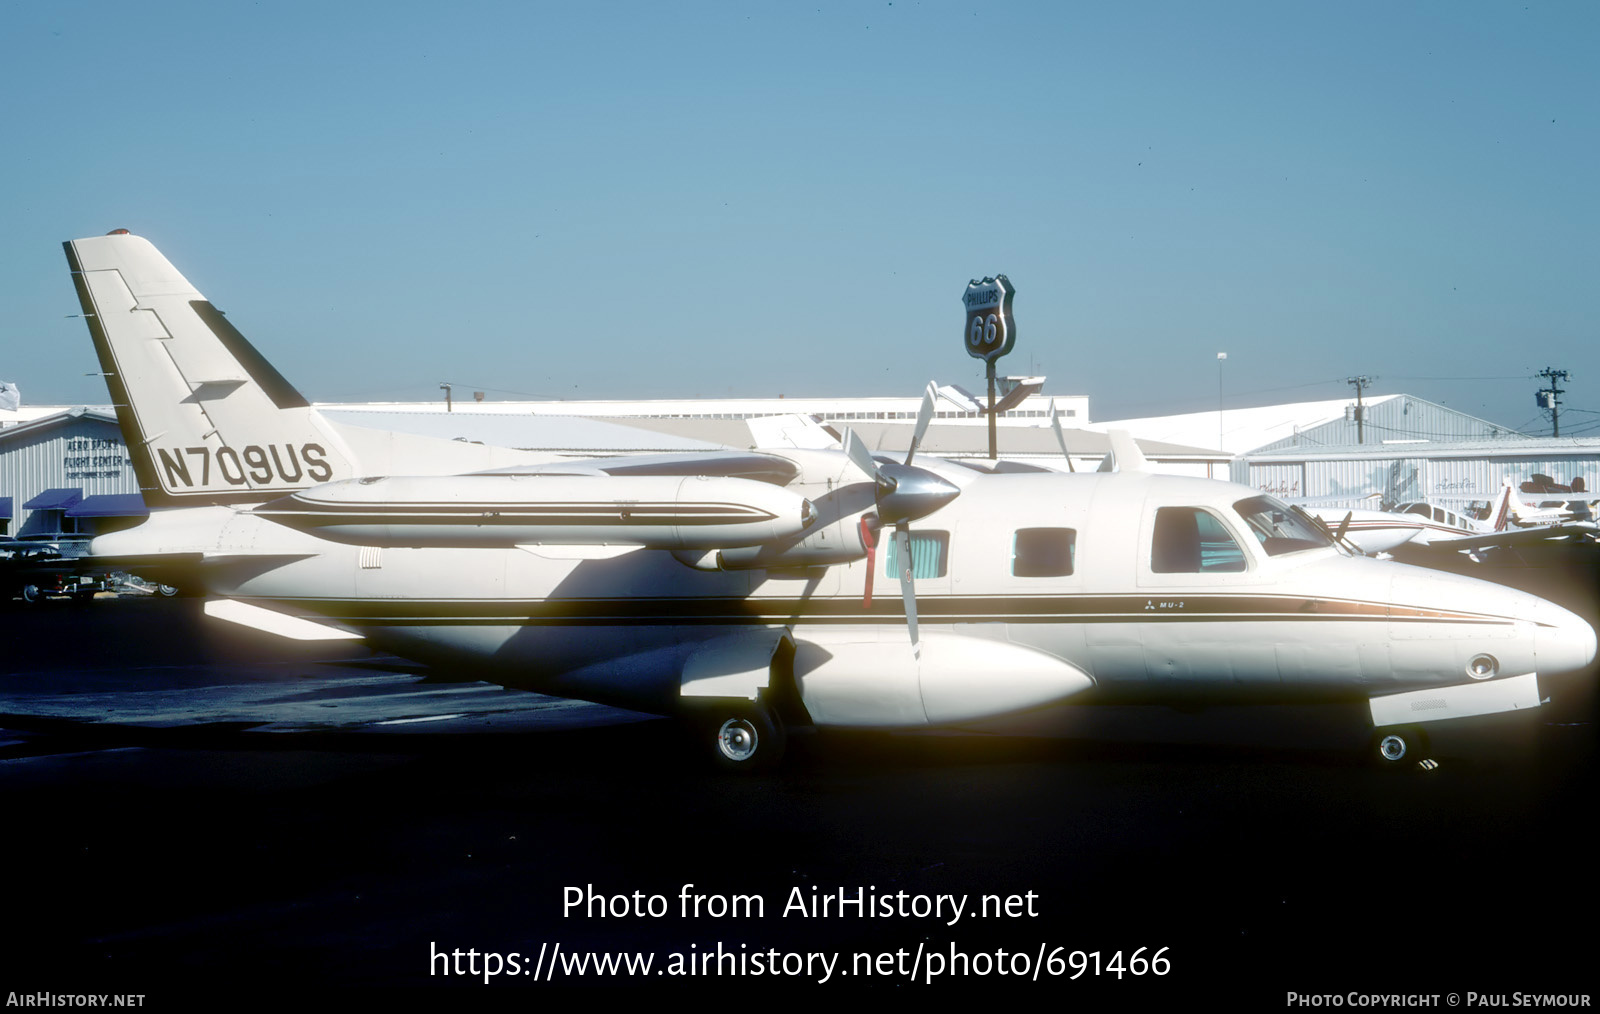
x,y
994,441
989,333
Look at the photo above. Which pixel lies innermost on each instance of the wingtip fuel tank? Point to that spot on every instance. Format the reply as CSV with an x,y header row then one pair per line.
x,y
652,512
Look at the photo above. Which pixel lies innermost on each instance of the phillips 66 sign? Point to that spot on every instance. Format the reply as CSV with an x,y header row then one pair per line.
x,y
990,331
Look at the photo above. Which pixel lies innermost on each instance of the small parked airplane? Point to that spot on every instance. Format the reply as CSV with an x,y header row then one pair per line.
x,y
735,589
1420,523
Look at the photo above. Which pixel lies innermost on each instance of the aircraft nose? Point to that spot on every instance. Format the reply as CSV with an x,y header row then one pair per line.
x,y
1565,641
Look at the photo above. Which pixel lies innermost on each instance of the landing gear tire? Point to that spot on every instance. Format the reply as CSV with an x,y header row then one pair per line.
x,y
1400,746
166,591
744,738
31,593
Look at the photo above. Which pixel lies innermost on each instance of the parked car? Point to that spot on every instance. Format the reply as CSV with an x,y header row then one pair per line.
x,y
34,571
124,583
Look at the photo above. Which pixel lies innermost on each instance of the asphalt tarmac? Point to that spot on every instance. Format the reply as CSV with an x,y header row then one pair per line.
x,y
198,812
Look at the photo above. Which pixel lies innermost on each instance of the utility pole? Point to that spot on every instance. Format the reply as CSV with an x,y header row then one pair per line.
x,y
1360,383
1550,397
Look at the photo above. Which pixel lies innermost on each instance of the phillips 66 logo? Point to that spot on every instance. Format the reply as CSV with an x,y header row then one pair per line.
x,y
990,330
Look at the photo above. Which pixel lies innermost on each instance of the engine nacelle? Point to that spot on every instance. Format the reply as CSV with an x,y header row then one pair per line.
x,y
825,545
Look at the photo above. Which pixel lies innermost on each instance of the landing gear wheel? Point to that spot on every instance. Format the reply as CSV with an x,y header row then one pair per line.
x,y
1399,746
745,738
166,591
31,593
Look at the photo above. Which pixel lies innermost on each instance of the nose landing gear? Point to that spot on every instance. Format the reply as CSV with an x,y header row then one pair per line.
x,y
1397,746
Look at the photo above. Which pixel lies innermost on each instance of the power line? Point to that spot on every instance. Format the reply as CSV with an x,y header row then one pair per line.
x,y
1518,377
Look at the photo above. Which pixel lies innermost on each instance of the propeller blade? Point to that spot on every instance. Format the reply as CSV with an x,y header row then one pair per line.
x,y
908,592
1344,526
1061,438
860,456
924,416
869,539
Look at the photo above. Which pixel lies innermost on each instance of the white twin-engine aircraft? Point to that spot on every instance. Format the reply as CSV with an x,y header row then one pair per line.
x,y
735,588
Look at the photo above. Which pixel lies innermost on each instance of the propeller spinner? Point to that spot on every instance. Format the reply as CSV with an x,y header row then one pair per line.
x,y
903,493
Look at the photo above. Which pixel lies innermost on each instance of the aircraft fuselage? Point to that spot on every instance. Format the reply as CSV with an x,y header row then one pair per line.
x,y
1306,624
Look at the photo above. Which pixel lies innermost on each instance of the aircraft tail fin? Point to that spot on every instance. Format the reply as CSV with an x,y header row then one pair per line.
x,y
1500,517
206,419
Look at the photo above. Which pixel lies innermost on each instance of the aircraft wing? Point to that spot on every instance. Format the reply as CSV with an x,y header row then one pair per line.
x,y
1512,537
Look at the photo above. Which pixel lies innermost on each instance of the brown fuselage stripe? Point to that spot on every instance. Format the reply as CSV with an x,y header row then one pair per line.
x,y
841,610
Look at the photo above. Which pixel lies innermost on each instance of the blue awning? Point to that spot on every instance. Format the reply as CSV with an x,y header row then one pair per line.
x,y
110,505
5,508
54,499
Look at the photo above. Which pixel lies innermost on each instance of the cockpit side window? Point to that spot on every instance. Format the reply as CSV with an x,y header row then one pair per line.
x,y
1189,540
1043,552
1279,527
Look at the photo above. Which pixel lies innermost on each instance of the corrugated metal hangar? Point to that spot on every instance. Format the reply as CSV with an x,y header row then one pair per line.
x,y
1444,471
66,477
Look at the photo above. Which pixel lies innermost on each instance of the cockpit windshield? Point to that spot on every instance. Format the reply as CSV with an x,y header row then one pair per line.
x,y
1280,528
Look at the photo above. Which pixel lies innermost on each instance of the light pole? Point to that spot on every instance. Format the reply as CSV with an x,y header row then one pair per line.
x,y
1221,358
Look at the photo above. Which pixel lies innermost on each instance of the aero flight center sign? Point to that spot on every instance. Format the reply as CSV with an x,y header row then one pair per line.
x,y
990,332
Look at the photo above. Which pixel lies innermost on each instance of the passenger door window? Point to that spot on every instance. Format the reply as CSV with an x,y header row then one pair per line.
x,y
1189,540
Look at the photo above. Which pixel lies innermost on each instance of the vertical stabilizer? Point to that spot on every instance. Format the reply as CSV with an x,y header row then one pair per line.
x,y
1507,508
206,419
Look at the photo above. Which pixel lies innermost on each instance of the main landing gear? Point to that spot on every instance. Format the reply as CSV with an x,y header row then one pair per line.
x,y
743,736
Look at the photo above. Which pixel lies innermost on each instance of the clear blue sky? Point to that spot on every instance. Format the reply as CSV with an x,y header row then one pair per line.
x,y
594,200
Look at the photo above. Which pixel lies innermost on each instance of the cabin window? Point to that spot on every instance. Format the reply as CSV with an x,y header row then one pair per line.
x,y
1189,540
1043,552
930,554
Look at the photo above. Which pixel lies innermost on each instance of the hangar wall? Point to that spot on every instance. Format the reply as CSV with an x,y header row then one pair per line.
x,y
78,449
1401,472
